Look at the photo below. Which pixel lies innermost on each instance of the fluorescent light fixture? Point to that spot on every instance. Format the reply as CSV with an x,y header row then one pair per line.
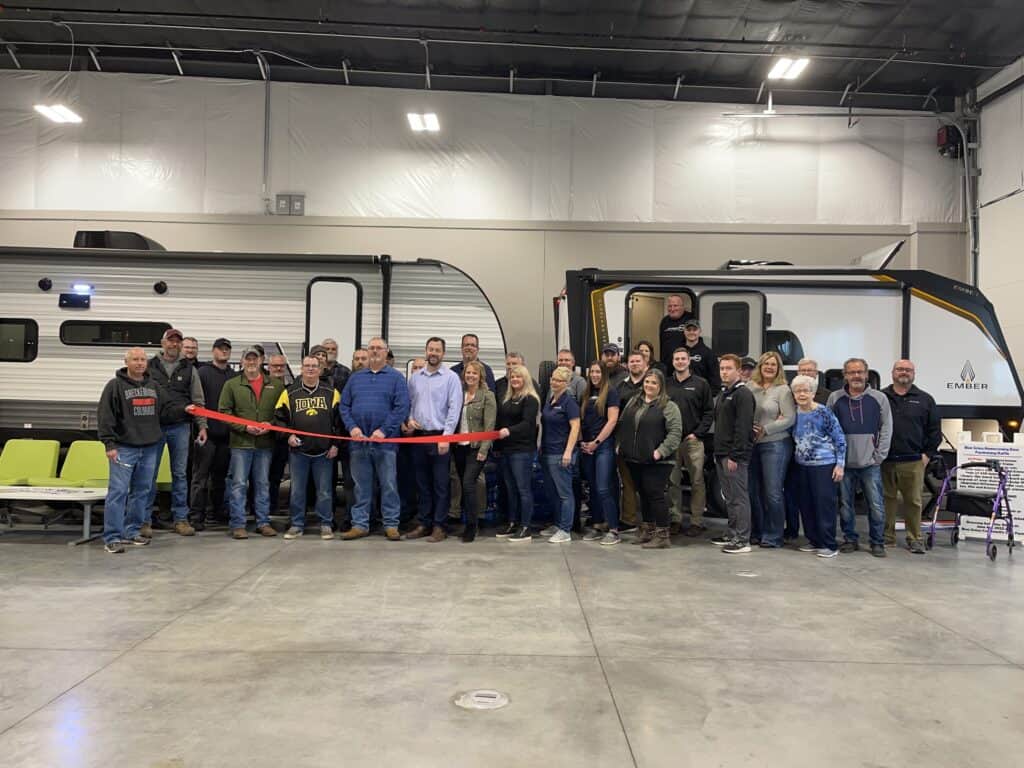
x,y
416,122
82,289
423,122
788,69
58,113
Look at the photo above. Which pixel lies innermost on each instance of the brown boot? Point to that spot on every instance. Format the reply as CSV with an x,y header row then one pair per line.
x,y
146,531
660,540
182,528
392,534
239,533
354,533
417,533
438,534
266,530
644,533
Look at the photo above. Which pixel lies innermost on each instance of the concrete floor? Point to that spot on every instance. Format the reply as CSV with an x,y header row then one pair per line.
x,y
211,652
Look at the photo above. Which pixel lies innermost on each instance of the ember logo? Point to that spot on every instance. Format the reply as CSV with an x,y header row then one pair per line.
x,y
968,379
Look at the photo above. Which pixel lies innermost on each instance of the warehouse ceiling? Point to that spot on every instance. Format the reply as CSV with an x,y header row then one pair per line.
x,y
908,54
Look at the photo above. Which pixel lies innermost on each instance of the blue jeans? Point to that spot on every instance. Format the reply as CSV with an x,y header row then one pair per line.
x,y
320,466
870,481
246,462
768,465
176,438
433,486
131,476
598,470
517,469
558,485
373,466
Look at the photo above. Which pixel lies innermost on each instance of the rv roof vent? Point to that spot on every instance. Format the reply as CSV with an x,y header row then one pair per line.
x,y
128,241
748,263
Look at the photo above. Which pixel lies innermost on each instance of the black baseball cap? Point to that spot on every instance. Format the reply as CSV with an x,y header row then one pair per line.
x,y
693,322
611,349
748,362
223,343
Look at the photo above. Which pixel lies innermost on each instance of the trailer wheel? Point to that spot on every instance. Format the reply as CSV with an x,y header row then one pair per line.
x,y
954,537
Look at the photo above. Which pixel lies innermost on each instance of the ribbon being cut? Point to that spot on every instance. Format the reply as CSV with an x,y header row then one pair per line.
x,y
462,437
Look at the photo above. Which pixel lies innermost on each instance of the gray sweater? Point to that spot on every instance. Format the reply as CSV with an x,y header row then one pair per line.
x,y
775,411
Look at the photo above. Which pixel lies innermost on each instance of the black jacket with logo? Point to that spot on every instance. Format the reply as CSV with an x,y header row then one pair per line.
x,y
628,390
704,363
129,411
695,401
310,410
178,387
916,426
671,337
734,423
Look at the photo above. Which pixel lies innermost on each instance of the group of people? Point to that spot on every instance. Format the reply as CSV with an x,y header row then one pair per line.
x,y
786,454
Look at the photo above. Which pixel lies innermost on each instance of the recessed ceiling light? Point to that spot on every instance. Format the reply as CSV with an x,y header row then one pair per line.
x,y
416,121
58,113
431,122
423,122
788,69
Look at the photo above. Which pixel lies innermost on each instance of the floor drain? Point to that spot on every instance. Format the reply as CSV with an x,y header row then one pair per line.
x,y
483,699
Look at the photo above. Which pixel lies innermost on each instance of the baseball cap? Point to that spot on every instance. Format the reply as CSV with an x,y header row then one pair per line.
x,y
611,348
693,322
251,351
317,349
748,362
172,332
222,342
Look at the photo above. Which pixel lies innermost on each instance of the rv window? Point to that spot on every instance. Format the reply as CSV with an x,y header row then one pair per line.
x,y
787,345
112,333
730,327
19,340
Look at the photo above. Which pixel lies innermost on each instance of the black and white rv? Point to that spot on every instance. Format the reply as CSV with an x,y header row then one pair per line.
x,y
67,315
864,310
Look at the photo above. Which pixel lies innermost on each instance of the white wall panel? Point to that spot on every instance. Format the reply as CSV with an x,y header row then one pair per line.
x,y
1002,146
194,145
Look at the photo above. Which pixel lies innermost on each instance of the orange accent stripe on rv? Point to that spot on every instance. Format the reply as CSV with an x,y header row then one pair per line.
x,y
595,310
943,304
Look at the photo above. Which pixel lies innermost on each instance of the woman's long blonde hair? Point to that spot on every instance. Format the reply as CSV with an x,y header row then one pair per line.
x,y
780,376
527,390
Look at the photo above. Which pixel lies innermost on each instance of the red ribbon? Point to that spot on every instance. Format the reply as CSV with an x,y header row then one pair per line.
x,y
464,437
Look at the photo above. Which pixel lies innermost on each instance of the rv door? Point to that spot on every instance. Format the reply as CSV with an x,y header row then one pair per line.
x,y
334,307
733,321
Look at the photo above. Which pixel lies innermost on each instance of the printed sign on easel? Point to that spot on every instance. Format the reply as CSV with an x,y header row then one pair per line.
x,y
1011,457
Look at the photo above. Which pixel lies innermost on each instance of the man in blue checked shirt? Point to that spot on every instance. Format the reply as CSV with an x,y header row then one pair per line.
x,y
375,403
435,394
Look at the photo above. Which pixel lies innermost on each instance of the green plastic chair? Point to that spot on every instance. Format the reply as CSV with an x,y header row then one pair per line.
x,y
23,458
163,473
85,466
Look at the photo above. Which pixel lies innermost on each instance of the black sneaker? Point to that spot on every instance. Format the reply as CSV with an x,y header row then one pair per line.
x,y
509,530
626,527
849,546
736,548
878,550
113,547
722,541
137,541
917,548
521,536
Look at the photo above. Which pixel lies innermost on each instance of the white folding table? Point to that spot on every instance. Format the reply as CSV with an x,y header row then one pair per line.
x,y
84,496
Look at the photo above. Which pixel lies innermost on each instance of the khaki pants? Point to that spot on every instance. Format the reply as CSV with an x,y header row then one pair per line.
x,y
690,455
906,479
627,510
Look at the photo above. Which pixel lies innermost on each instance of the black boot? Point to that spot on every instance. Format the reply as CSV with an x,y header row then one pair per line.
x,y
469,532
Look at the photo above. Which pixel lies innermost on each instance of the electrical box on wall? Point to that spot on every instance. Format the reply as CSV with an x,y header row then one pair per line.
x,y
290,205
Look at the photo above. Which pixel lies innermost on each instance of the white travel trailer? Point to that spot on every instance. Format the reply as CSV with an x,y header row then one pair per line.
x,y
67,315
864,310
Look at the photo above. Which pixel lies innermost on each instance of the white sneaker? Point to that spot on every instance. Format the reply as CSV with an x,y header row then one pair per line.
x,y
560,537
828,552
551,530
808,548
293,533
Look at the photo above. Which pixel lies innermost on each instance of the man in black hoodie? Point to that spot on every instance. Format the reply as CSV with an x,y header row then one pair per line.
x,y
916,435
210,461
128,424
734,439
703,361
697,407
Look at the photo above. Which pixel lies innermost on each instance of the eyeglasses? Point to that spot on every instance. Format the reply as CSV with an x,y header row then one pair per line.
x,y
905,370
